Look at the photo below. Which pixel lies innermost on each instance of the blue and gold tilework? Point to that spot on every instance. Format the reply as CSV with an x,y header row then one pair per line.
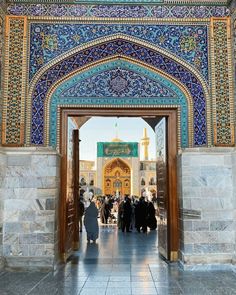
x,y
178,59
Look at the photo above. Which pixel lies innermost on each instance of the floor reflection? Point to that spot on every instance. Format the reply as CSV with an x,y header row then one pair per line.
x,y
114,246
118,264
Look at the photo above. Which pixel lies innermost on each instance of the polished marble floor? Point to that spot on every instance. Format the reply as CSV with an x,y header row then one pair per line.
x,y
119,263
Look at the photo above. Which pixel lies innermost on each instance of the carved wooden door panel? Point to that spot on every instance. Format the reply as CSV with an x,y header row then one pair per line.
x,y
162,186
72,190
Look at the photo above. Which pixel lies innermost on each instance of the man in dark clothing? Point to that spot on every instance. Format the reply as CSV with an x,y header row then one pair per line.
x,y
151,216
141,215
105,212
127,212
120,215
80,212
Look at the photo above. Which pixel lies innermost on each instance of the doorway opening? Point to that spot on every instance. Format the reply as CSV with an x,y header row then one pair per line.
x,y
164,123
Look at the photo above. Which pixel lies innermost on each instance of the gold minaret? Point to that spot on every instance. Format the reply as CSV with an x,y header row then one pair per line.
x,y
145,143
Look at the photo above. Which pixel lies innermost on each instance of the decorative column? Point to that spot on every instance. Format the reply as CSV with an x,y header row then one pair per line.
x,y
14,81
222,82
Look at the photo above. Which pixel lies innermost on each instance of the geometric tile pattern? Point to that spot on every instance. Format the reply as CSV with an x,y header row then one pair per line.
x,y
13,109
2,17
222,83
120,47
119,82
49,40
115,11
184,50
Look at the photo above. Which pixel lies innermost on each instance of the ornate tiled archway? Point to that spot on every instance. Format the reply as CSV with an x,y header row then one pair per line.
x,y
136,85
120,47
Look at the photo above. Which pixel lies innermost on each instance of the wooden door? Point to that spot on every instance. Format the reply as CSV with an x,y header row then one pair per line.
x,y
162,186
70,193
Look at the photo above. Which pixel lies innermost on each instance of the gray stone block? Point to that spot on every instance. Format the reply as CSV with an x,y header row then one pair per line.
x,y
47,238
37,250
222,225
222,248
200,225
187,225
50,227
7,250
226,237
37,227
30,263
50,249
217,214
47,193
50,204
188,248
49,182
16,227
201,248
28,239
27,215
12,182
19,160
191,214
11,238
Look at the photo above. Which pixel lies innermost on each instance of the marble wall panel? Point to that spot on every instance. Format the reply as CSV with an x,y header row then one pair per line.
x,y
234,201
208,182
2,27
29,195
3,163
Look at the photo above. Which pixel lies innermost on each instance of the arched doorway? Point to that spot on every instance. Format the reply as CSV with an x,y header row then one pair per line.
x,y
169,235
181,127
116,178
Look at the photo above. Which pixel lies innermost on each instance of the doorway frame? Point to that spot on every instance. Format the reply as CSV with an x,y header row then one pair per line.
x,y
172,147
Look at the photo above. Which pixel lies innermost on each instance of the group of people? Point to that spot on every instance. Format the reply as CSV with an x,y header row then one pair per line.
x,y
131,213
139,214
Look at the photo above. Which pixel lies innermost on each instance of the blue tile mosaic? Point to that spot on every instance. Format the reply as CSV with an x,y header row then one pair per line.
x,y
49,40
116,11
118,82
118,47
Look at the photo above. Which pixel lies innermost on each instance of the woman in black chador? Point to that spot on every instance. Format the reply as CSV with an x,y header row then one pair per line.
x,y
151,216
127,212
91,222
141,215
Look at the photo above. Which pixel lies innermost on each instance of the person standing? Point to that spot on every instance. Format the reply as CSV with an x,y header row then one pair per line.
x,y
91,222
105,212
141,215
127,209
151,216
120,218
80,212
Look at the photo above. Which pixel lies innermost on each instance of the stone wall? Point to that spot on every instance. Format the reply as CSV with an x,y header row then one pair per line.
x,y
28,198
233,13
3,162
207,207
2,28
234,203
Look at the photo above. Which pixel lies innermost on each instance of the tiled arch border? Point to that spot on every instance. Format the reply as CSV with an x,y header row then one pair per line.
x,y
99,42
184,101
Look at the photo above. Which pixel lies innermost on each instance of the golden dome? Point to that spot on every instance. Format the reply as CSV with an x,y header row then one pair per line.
x,y
116,139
